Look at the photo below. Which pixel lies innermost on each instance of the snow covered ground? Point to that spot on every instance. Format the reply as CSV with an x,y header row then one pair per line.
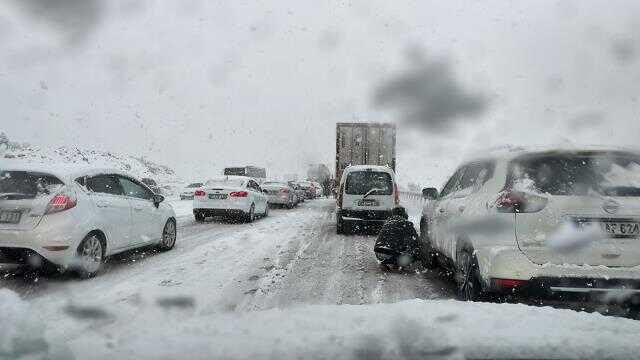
x,y
283,287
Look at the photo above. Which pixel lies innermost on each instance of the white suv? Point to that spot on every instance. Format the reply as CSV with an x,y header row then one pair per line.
x,y
73,217
545,222
366,196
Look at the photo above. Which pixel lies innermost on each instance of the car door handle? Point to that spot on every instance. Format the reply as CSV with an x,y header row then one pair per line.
x,y
461,208
441,210
137,208
102,204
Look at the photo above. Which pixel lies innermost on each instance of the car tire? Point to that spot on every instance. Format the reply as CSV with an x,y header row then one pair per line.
x,y
251,215
90,256
339,224
266,211
199,216
428,257
467,276
169,234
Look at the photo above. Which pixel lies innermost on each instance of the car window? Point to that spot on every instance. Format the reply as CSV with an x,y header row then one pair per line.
x,y
475,175
361,182
134,189
105,184
453,184
604,173
18,185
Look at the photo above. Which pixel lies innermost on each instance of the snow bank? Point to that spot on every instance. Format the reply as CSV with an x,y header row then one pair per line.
x,y
22,335
405,330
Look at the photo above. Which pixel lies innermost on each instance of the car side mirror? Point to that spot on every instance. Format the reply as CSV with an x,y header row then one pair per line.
x,y
265,191
430,193
157,199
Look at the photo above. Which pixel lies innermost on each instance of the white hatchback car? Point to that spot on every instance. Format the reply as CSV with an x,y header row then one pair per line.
x,y
366,196
230,196
74,218
539,222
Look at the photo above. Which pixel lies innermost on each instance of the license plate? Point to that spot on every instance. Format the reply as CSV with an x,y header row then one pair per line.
x,y
621,229
368,202
10,217
217,196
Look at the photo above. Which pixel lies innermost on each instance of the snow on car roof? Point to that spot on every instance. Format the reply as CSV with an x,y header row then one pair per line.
x,y
508,152
63,171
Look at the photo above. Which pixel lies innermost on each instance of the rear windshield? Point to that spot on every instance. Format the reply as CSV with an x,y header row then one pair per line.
x,y
603,173
195,185
19,185
225,182
361,182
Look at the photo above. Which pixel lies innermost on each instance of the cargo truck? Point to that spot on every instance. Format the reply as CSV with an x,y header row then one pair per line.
x,y
364,144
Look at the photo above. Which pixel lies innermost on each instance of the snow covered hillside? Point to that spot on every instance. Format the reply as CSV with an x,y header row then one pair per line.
x,y
12,152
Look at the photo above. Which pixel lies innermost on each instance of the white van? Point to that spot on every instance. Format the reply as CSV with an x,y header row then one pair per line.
x,y
366,196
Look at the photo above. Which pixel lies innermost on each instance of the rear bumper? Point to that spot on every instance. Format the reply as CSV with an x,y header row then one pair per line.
x,y
369,216
275,199
17,247
220,212
242,204
550,280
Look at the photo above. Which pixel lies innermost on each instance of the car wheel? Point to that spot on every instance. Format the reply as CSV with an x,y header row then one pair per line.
x,y
90,256
427,255
199,216
251,215
467,277
339,224
266,211
168,236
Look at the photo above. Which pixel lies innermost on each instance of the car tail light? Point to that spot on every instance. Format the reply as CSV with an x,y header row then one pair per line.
x,y
61,202
199,193
510,201
239,194
508,284
396,194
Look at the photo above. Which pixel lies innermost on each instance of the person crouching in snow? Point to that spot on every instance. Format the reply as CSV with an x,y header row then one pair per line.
x,y
397,243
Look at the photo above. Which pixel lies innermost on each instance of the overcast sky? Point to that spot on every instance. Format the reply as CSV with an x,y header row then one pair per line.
x,y
198,84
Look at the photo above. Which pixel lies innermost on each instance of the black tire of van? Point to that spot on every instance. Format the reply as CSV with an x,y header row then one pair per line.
x,y
339,223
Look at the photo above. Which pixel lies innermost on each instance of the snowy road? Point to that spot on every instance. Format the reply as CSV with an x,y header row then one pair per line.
x,y
293,257
210,290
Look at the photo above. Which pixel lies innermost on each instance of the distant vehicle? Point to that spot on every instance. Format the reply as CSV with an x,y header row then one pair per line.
x,y
299,191
309,189
152,184
364,144
230,196
280,193
321,174
73,218
559,222
187,191
318,188
366,196
259,174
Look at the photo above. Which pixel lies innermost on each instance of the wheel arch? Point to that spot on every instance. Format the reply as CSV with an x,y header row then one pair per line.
x,y
103,239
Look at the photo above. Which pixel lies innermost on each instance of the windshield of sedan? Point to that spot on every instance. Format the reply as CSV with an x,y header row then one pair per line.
x,y
608,174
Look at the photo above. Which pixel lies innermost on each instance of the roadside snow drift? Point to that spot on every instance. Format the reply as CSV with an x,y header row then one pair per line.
x,y
405,330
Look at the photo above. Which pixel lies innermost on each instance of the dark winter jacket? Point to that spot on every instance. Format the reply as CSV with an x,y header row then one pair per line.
x,y
398,234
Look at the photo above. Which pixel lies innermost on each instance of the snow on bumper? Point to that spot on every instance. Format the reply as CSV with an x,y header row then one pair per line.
x,y
56,239
511,263
278,199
